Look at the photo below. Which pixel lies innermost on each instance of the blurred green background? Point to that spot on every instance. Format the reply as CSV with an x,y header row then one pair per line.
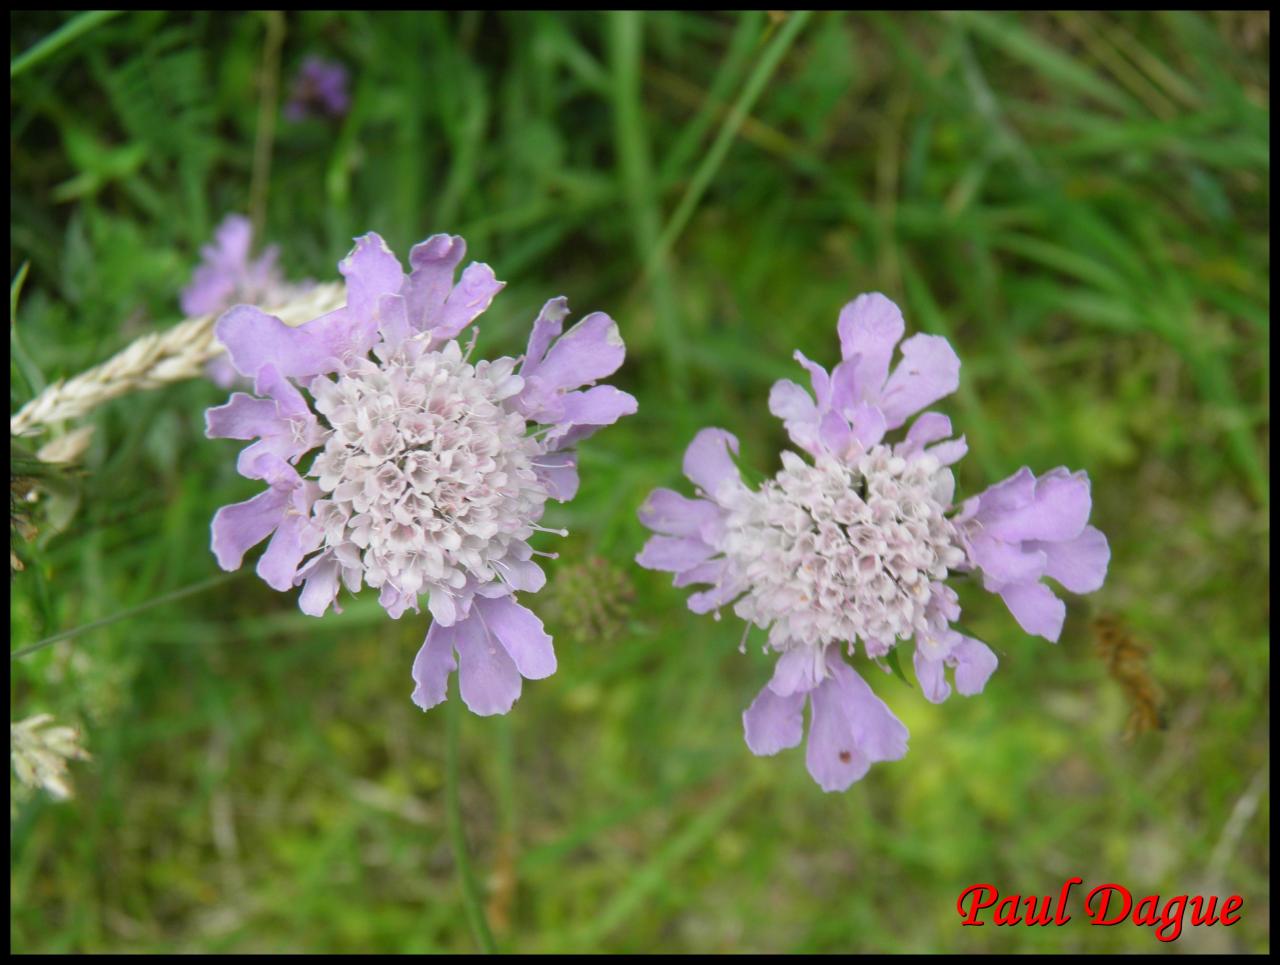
x,y
1079,202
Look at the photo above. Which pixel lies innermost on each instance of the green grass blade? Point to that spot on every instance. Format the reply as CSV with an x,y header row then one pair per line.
x,y
64,36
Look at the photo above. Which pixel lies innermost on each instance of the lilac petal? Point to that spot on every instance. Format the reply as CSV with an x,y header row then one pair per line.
x,y
525,576
254,339
711,571
275,472
714,598
519,630
432,666
558,472
342,335
396,603
1035,608
602,405
1059,510
707,462
540,402
371,271
946,491
880,735
843,378
969,510
673,554
487,676
269,382
232,239
929,370
591,350
209,292
546,327
394,326
276,445
668,512
975,663
240,526
468,300
434,262
868,424
1007,495
320,589
797,671
295,430
295,537
1079,564
1003,562
877,648
575,434
220,371
773,723
485,591
443,606
789,401
950,452
819,379
928,427
242,417
262,278
931,673
222,270
869,328
799,415
585,412
834,432
832,754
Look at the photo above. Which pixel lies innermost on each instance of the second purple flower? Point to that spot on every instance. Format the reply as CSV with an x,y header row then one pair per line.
x,y
855,544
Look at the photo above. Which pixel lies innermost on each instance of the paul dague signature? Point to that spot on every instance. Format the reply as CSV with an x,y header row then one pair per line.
x,y
1099,908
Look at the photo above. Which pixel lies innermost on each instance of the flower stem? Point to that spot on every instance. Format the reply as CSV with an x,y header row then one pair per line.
x,y
471,897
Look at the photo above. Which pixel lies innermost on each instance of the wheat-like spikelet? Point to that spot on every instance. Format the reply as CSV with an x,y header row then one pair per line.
x,y
38,754
152,361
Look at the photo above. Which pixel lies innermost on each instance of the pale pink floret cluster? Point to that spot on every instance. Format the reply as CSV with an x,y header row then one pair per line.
x,y
426,474
855,544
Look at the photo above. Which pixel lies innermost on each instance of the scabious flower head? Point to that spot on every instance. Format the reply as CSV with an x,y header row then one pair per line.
x,y
855,544
320,87
423,478
228,275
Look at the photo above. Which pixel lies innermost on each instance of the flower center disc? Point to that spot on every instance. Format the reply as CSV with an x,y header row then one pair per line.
x,y
429,478
837,551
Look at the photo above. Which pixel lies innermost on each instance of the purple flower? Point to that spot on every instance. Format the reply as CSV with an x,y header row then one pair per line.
x,y
227,276
320,87
857,542
424,478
